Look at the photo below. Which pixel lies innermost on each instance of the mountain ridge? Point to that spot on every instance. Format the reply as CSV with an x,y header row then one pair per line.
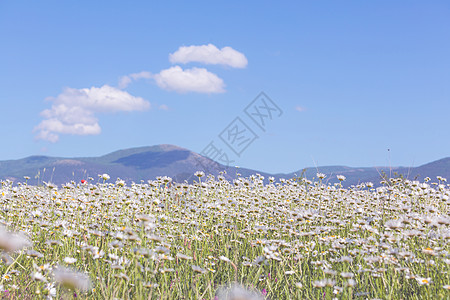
x,y
148,162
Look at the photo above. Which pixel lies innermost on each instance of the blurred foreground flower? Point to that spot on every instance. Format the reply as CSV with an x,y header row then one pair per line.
x,y
11,242
72,280
237,292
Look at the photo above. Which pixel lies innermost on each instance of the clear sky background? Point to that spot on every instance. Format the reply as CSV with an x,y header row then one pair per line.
x,y
353,78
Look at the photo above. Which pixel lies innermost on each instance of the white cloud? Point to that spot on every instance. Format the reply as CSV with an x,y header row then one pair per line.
x,y
300,108
197,80
209,54
73,111
124,81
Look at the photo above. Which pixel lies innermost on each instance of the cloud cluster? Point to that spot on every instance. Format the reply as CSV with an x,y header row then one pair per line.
x,y
73,111
209,54
197,80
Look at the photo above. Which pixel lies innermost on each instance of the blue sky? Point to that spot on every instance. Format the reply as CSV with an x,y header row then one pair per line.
x,y
352,79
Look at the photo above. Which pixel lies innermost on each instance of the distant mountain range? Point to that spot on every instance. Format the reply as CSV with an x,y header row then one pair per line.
x,y
180,164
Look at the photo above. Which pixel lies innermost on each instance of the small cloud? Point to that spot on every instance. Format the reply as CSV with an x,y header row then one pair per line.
x,y
163,107
209,54
300,108
197,80
73,111
124,81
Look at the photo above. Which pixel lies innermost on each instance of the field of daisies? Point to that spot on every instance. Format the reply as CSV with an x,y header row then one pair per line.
x,y
216,239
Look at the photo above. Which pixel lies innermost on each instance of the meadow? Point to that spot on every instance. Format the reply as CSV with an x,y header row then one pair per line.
x,y
291,239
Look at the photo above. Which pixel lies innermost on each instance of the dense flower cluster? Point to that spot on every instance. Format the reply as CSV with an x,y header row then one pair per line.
x,y
292,239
